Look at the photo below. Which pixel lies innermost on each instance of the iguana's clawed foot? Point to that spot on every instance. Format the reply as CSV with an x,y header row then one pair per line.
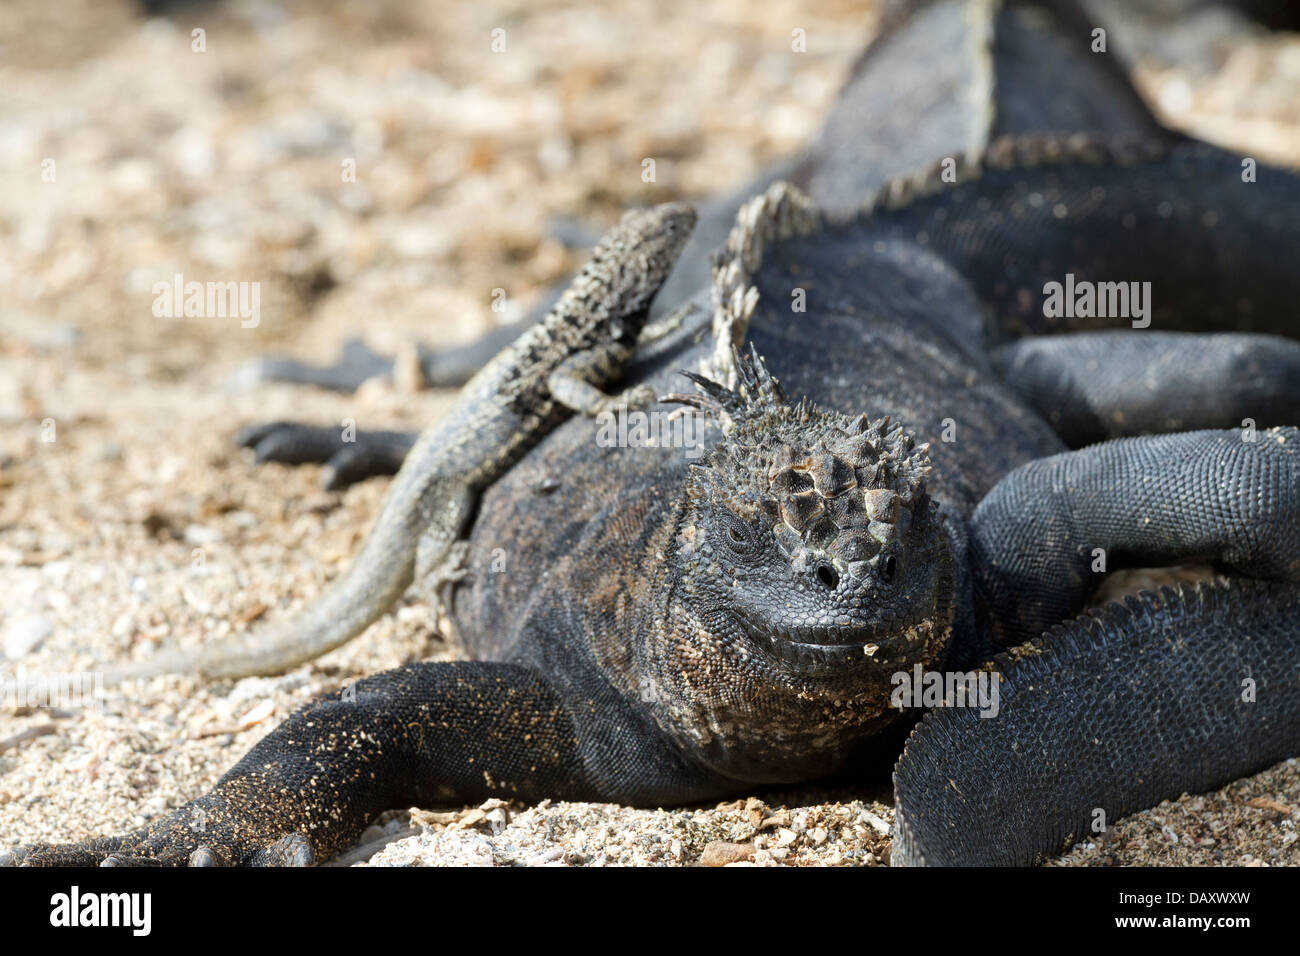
x,y
293,849
364,455
356,365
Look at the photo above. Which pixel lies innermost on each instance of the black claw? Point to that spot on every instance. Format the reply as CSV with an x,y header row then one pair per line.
x,y
292,850
205,856
250,435
274,447
125,859
291,444
354,463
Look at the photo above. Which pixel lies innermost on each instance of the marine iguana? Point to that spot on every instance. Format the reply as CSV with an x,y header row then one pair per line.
x,y
673,631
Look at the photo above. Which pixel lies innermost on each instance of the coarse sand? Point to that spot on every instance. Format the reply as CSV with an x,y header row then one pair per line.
x,y
129,521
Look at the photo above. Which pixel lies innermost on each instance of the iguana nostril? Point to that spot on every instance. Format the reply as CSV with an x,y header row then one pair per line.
x,y
828,576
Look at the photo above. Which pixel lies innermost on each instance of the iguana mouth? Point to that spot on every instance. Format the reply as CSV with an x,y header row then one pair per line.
x,y
815,648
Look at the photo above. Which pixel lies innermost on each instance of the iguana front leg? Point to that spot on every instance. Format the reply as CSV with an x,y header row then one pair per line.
x,y
1046,533
426,734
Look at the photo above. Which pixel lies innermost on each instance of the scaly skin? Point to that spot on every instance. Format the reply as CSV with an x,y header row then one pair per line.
x,y
675,629
581,346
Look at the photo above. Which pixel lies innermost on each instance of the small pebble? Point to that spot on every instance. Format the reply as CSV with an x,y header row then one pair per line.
x,y
25,635
721,853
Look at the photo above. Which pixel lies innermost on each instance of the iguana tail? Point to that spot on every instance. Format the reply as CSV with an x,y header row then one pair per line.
x,y
1166,693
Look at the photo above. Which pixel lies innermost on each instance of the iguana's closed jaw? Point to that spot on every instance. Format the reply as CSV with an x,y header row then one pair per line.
x,y
819,649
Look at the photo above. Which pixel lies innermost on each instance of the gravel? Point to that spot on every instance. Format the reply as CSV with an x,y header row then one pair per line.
x,y
129,522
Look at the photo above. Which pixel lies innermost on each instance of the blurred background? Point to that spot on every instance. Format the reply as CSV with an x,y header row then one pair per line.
x,y
227,164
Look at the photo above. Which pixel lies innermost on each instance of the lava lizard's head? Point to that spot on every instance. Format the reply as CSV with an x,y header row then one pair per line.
x,y
810,565
627,268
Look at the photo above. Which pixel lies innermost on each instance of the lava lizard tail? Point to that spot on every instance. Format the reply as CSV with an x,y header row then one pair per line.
x,y
558,366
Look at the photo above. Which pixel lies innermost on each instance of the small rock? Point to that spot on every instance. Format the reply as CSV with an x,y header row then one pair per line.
x,y
408,374
722,853
876,823
1265,803
109,451
256,714
433,818
25,635
200,534
469,819
124,626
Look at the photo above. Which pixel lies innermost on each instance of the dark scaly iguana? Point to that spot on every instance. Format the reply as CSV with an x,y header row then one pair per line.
x,y
673,630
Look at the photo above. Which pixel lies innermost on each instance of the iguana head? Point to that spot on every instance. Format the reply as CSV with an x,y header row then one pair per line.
x,y
810,561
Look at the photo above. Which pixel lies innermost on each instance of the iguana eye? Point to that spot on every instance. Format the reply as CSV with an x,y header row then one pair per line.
x,y
738,536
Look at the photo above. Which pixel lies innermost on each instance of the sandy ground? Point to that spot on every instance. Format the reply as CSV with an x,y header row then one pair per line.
x,y
127,518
